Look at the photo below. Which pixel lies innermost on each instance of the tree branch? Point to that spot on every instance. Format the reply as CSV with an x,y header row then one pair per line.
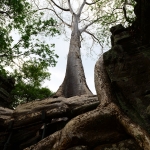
x,y
71,10
35,4
55,11
3,55
5,12
59,6
17,43
125,13
92,3
86,19
57,16
94,37
80,9
84,28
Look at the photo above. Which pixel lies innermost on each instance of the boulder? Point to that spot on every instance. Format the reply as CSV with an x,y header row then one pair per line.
x,y
128,69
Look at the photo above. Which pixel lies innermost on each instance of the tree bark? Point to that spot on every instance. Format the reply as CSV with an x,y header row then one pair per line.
x,y
74,82
89,129
5,114
31,112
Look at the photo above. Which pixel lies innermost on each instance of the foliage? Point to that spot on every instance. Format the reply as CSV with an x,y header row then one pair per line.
x,y
29,83
29,24
113,13
25,55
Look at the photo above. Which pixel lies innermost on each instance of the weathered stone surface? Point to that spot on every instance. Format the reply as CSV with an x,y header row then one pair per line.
x,y
128,71
129,144
6,86
119,34
5,114
142,22
78,148
54,108
106,95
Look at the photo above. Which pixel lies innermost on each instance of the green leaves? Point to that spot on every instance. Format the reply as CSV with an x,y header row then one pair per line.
x,y
29,80
35,72
25,92
27,58
111,13
30,25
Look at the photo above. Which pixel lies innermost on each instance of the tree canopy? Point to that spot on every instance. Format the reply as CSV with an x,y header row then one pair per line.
x,y
91,17
96,16
24,55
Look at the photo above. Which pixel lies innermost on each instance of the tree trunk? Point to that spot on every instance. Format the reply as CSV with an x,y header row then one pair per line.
x,y
74,82
55,108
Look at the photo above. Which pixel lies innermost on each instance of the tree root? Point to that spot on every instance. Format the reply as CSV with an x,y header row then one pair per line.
x,y
106,124
93,128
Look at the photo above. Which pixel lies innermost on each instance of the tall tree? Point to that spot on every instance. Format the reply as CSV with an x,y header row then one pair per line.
x,y
83,15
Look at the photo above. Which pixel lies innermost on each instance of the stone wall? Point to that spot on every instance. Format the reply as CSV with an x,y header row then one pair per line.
x,y
6,86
